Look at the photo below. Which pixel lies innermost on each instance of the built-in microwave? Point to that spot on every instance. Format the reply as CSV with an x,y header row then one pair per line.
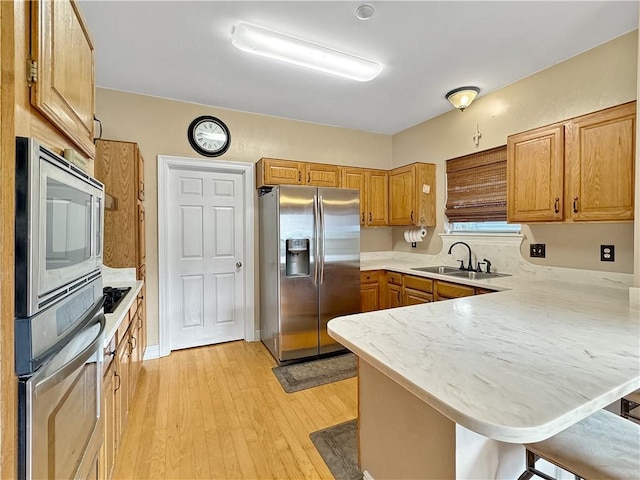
x,y
59,219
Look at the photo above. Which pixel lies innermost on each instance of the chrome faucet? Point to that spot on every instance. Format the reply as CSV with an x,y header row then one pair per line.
x,y
462,267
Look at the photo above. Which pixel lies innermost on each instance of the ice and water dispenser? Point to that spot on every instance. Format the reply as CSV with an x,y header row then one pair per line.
x,y
297,257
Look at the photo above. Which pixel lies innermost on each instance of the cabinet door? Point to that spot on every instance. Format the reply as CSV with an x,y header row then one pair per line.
x,y
535,166
354,178
416,297
281,172
394,296
141,236
377,193
115,166
402,198
142,315
600,156
122,386
64,90
369,297
140,174
135,358
109,444
321,175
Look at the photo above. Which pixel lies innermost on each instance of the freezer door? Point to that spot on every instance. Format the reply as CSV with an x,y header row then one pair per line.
x,y
298,272
339,264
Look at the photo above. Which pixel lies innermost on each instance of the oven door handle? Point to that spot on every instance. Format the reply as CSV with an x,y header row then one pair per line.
x,y
76,362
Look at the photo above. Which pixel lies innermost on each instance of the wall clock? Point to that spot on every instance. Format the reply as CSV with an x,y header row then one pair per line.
x,y
209,136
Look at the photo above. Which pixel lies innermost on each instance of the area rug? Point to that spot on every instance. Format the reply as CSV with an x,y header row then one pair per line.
x,y
299,376
338,446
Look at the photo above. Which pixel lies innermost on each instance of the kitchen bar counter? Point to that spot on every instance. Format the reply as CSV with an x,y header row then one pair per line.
x,y
518,365
115,319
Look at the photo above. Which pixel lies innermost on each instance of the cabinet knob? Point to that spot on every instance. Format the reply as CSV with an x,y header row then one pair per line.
x,y
556,205
575,204
309,177
412,215
370,217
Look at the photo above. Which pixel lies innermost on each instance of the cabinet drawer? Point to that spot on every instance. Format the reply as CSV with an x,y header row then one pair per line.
x,y
482,291
416,297
418,283
394,278
452,290
369,277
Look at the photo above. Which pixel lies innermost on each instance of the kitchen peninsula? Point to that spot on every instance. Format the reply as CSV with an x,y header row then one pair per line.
x,y
451,389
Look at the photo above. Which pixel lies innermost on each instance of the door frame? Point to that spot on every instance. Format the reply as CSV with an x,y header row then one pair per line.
x,y
166,163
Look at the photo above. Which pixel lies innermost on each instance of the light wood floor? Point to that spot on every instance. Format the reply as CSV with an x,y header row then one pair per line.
x,y
219,412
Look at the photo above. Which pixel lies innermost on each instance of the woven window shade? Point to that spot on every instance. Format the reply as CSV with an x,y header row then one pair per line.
x,y
477,186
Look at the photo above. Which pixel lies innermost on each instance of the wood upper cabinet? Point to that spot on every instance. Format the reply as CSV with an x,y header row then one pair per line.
x,y
119,166
377,198
412,195
321,175
62,73
535,175
578,170
351,177
600,157
274,171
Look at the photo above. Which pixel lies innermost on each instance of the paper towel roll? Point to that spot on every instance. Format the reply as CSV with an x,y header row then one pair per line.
x,y
415,235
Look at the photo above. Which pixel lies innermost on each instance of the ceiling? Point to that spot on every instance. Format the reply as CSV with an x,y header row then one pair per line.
x,y
182,50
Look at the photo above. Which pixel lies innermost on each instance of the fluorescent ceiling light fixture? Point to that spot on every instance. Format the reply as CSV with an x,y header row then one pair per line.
x,y
279,46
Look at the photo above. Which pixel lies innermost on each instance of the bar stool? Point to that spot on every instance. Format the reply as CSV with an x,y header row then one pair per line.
x,y
629,403
603,446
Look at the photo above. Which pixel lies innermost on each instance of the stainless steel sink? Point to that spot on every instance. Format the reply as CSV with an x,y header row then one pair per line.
x,y
477,275
438,269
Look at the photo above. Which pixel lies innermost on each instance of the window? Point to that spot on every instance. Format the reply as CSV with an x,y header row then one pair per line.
x,y
483,227
477,187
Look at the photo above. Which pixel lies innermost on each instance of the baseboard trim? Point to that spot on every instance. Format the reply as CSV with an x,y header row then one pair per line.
x,y
256,337
151,352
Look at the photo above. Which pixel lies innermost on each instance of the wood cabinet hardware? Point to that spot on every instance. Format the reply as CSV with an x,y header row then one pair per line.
x,y
556,205
575,204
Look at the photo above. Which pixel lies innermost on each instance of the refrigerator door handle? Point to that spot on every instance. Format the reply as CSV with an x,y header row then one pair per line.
x,y
321,204
316,221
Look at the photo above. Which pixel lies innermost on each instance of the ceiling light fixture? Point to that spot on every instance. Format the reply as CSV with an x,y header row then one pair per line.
x,y
462,97
364,12
279,46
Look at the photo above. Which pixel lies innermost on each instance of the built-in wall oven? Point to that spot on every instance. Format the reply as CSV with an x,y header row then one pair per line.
x,y
59,318
59,221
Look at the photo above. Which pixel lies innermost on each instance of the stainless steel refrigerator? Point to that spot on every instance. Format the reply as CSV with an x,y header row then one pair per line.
x,y
309,267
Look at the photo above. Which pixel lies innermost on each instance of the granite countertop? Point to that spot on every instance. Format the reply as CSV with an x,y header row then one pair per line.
x,y
552,346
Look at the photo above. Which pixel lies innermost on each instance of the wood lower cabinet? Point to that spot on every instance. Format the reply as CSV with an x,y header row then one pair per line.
x,y
575,171
123,364
416,290
62,77
369,291
393,290
446,290
412,195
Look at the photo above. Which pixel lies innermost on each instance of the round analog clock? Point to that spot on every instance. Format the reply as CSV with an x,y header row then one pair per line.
x,y
209,136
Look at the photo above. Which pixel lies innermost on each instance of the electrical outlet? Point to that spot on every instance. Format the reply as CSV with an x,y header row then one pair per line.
x,y
607,253
537,250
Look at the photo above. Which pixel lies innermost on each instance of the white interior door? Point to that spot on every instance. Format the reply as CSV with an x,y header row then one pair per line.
x,y
206,248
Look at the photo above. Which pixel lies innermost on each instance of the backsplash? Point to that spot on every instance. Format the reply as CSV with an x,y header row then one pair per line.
x,y
504,254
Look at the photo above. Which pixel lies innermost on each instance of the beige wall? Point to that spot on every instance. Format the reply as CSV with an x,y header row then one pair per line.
x,y
596,79
159,126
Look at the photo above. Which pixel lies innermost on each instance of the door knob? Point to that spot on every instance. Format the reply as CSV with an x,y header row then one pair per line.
x,y
238,264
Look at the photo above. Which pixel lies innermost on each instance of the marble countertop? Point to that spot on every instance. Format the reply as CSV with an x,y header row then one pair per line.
x,y
121,278
549,348
115,319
